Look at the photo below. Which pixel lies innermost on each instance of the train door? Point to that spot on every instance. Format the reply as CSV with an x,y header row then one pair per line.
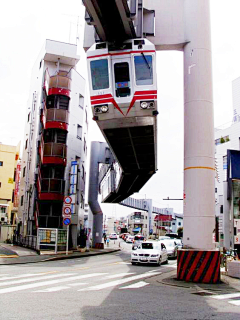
x,y
122,79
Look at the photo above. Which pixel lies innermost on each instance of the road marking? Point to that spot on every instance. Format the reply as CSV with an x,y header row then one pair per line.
x,y
119,275
136,285
235,303
20,276
36,279
118,282
171,266
46,283
226,296
53,289
77,284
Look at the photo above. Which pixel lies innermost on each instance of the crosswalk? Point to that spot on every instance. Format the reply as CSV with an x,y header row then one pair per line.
x,y
229,297
49,282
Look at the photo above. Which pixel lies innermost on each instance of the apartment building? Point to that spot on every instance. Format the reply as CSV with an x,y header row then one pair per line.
x,y
55,143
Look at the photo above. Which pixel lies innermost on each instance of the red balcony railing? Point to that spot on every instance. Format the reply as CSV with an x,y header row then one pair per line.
x,y
53,153
50,189
55,119
58,84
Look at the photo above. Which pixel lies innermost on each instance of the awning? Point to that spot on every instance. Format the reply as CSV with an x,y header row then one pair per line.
x,y
136,229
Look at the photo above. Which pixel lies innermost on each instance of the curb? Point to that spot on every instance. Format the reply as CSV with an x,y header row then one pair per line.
x,y
61,258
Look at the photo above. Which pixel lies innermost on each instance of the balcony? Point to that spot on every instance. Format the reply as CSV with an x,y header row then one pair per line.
x,y
58,84
50,189
55,119
53,153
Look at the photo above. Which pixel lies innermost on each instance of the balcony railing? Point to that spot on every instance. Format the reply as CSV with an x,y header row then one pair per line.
x,y
60,81
49,185
56,115
53,149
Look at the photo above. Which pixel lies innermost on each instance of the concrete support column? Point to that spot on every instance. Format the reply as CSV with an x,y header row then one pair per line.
x,y
199,165
226,217
97,228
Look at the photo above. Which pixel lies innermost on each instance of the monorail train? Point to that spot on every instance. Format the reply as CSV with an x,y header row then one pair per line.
x,y
123,92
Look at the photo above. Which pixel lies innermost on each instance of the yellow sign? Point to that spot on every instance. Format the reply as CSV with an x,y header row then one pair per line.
x,y
10,180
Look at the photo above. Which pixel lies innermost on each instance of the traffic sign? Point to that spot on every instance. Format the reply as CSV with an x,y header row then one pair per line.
x,y
68,200
67,210
119,228
67,221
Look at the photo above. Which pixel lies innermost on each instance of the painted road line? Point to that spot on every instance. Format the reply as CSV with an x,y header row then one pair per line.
x,y
171,266
47,283
119,275
23,276
118,282
77,284
226,296
36,279
53,289
235,302
136,285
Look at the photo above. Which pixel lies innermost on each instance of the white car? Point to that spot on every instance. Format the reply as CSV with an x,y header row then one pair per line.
x,y
130,239
172,247
113,236
150,252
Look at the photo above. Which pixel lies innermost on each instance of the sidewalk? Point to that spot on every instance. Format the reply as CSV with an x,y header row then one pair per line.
x,y
10,255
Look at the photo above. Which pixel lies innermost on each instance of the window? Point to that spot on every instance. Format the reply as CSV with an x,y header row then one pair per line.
x,y
84,145
22,200
122,79
81,101
99,74
215,190
24,171
173,223
0,184
26,144
79,132
179,223
28,117
1,163
143,70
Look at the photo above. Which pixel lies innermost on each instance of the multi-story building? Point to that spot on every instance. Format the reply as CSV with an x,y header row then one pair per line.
x,y
227,198
55,142
9,157
138,222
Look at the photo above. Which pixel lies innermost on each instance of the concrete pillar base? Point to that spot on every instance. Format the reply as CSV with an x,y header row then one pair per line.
x,y
199,266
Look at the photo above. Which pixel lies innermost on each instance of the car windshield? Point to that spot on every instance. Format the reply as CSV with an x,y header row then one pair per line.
x,y
139,238
147,245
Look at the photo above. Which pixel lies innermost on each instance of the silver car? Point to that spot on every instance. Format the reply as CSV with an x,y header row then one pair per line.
x,y
171,246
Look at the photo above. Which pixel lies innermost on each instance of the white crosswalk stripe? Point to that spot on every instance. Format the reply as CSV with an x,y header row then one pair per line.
x,y
226,296
46,283
118,282
55,282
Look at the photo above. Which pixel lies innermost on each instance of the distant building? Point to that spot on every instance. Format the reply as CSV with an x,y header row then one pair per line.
x,y
55,145
9,158
138,222
227,181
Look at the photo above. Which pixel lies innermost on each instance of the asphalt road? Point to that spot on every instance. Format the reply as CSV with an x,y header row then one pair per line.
x,y
102,287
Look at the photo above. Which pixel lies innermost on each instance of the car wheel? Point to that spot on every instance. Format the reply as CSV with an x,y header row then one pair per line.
x,y
159,261
166,261
134,263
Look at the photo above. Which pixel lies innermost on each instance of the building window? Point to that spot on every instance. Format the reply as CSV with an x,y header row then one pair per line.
x,y
173,223
22,200
26,144
0,184
81,101
215,190
225,168
1,163
24,171
28,117
145,225
179,223
79,132
84,145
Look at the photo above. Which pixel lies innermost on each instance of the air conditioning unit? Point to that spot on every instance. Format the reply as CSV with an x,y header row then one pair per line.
x,y
4,219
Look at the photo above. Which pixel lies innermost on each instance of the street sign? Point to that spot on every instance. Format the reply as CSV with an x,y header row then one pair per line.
x,y
119,228
67,210
67,221
68,200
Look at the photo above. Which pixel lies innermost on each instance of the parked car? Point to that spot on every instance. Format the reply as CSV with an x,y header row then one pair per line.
x,y
171,246
150,252
138,239
125,235
130,239
113,236
179,243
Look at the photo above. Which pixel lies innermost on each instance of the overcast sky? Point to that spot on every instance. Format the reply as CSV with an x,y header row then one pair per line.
x,y
24,26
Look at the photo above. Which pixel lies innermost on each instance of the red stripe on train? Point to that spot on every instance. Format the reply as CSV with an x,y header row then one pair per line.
x,y
120,53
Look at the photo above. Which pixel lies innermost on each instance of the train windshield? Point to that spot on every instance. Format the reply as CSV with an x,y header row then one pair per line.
x,y
99,73
122,79
143,70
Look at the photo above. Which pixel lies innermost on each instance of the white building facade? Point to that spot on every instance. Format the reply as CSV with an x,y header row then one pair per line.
x,y
55,142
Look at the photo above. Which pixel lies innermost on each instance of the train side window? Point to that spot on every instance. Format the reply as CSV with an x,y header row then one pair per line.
x,y
99,73
143,70
122,79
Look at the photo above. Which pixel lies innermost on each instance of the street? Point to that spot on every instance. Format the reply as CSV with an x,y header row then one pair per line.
x,y
103,287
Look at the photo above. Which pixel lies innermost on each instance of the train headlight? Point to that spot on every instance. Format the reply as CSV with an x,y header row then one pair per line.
x,y
104,108
144,105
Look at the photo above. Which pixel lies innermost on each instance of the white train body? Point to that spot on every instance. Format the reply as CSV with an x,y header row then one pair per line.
x,y
123,92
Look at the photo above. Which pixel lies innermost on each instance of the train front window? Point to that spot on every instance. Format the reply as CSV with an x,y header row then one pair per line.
x,y
99,73
143,70
122,79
